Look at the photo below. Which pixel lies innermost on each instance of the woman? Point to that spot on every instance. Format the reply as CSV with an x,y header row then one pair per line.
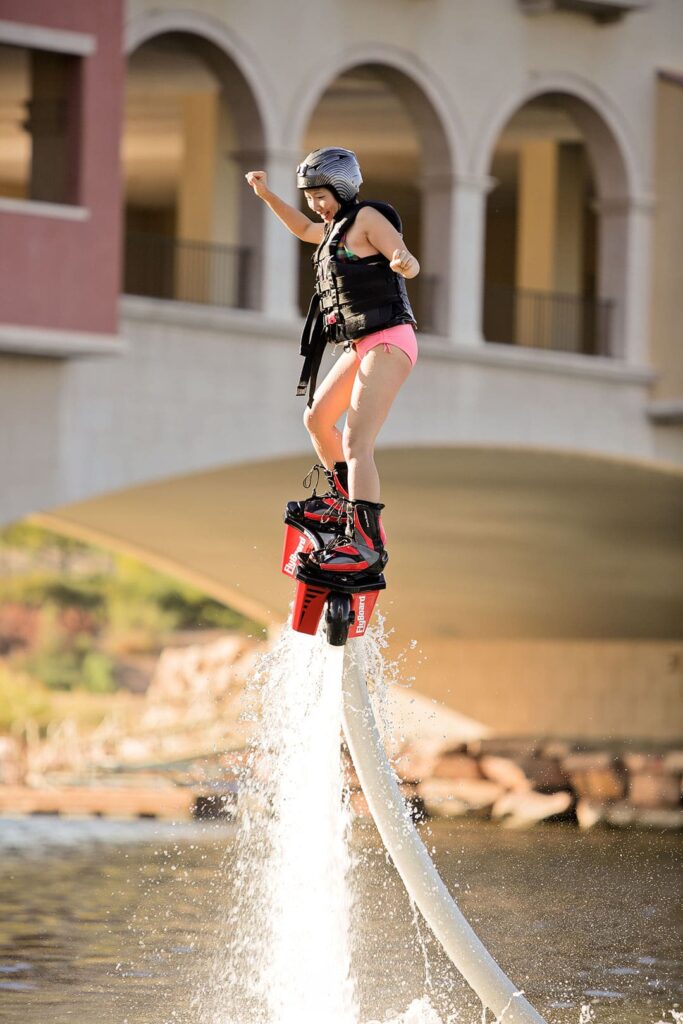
x,y
361,302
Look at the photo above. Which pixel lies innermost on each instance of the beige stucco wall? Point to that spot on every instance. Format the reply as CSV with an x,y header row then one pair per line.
x,y
667,291
597,689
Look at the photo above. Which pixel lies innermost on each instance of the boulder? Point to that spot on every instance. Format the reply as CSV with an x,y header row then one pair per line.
x,y
471,794
456,766
545,773
589,814
414,764
654,791
644,764
623,815
504,771
359,805
520,810
582,760
439,800
673,762
601,784
594,774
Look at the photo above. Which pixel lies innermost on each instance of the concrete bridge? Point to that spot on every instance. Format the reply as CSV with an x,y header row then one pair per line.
x,y
193,388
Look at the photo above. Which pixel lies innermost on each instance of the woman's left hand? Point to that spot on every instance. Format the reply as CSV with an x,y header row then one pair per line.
x,y
403,263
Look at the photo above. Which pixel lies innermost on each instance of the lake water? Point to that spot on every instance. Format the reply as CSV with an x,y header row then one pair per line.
x,y
121,923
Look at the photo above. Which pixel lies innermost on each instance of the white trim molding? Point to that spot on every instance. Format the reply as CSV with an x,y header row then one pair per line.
x,y
600,10
666,412
16,339
36,37
35,208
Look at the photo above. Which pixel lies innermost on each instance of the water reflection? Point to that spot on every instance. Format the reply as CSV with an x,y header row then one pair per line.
x,y
105,923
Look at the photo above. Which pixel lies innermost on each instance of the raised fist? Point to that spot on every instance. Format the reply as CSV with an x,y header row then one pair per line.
x,y
258,180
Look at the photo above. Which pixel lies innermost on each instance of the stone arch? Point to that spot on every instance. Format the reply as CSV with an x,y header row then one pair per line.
x,y
246,94
420,89
598,117
618,204
429,172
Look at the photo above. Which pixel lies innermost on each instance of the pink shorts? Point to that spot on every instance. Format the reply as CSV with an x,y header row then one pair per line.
x,y
402,336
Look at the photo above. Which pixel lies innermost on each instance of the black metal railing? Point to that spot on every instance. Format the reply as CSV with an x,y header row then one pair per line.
x,y
548,320
169,268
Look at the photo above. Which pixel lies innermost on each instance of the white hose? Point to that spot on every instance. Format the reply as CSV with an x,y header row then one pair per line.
x,y
409,853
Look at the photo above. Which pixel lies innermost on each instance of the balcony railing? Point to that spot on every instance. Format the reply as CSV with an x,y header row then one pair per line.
x,y
547,320
168,268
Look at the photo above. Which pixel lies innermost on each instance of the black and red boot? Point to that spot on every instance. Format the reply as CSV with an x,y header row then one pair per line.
x,y
360,548
325,509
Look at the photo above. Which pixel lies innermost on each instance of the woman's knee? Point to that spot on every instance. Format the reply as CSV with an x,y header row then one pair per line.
x,y
311,419
356,447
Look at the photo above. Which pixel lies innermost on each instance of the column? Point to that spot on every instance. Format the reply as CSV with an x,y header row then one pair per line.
x,y
274,259
536,206
625,228
195,197
468,228
569,315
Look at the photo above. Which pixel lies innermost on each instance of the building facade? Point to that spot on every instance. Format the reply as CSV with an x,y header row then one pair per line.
x,y
150,304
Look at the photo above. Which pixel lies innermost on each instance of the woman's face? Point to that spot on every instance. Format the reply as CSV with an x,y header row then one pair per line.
x,y
322,202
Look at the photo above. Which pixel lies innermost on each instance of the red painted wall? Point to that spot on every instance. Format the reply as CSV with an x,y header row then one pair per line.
x,y
60,273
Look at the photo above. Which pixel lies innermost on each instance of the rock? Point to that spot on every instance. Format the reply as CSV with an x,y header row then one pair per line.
x,y
11,769
660,817
520,810
439,799
555,749
673,762
504,771
414,764
545,773
601,784
351,780
624,815
589,814
593,774
359,805
456,766
620,814
474,794
645,764
645,790
582,760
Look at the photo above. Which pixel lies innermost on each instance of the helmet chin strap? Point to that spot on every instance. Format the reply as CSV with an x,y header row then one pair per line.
x,y
343,206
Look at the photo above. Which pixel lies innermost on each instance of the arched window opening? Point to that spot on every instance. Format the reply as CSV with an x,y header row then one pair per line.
x,y
541,276
186,236
385,118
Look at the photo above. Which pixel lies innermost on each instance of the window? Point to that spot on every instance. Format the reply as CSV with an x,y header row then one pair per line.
x,y
39,124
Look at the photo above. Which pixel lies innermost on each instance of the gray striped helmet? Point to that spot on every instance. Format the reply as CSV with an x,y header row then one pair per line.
x,y
336,169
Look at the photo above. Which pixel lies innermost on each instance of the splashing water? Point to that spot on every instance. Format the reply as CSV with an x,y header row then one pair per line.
x,y
285,954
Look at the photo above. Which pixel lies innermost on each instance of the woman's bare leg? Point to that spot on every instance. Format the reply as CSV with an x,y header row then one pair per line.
x,y
378,381
331,399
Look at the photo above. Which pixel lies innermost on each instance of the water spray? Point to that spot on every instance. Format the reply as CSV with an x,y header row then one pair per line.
x,y
347,604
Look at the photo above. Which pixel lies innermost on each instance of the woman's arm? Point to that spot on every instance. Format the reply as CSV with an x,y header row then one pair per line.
x,y
382,234
294,220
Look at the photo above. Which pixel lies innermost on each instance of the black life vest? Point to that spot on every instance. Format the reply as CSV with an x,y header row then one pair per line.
x,y
352,298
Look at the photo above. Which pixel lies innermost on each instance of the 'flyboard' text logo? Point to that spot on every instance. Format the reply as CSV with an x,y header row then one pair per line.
x,y
360,617
291,563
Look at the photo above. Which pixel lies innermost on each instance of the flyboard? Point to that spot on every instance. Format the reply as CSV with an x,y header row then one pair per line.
x,y
347,604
